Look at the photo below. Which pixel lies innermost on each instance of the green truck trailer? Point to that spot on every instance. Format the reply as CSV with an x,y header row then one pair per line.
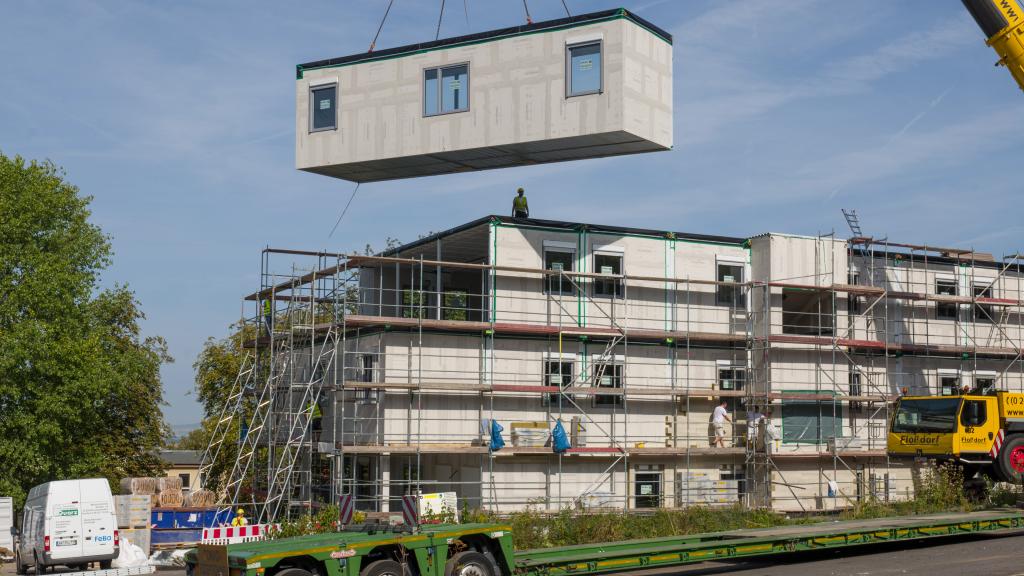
x,y
487,549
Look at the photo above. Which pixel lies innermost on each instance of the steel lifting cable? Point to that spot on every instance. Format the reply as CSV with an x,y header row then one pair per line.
x,y
527,9
465,8
567,13
439,18
381,27
350,199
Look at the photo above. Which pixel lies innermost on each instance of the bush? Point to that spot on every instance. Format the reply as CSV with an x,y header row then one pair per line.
x,y
324,521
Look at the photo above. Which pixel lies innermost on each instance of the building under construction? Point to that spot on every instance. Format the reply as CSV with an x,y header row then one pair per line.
x,y
382,375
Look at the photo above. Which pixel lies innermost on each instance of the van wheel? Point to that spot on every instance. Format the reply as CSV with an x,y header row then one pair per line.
x,y
383,568
19,567
1010,461
469,564
105,564
40,567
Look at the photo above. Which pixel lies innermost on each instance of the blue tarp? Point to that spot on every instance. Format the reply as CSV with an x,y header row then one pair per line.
x,y
559,439
497,443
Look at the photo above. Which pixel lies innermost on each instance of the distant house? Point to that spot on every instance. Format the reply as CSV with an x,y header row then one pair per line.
x,y
185,465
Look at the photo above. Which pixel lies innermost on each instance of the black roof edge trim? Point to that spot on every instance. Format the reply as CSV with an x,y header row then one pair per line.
x,y
512,30
993,264
568,227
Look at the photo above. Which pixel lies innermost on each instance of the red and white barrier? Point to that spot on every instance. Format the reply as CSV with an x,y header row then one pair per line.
x,y
236,534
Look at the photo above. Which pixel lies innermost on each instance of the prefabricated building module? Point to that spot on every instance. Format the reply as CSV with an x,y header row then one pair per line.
x,y
585,86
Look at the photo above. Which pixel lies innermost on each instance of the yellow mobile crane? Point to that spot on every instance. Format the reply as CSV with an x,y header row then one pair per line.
x,y
982,431
1003,25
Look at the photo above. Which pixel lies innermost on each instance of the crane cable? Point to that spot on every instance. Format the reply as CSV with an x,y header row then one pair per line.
x,y
439,18
381,27
350,199
567,13
527,9
465,8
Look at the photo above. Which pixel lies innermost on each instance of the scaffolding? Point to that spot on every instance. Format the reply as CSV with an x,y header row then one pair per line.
x,y
379,376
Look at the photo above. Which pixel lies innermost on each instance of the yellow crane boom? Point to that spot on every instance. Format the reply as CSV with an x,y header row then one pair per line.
x,y
1002,22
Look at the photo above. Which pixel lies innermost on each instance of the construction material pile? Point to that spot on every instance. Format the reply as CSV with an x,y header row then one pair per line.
x,y
200,499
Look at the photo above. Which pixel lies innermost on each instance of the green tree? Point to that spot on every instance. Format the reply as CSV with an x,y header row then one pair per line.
x,y
80,389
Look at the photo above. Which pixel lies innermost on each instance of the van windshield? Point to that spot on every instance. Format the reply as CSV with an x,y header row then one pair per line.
x,y
930,416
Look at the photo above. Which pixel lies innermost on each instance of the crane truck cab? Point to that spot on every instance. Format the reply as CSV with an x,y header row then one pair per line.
x,y
982,433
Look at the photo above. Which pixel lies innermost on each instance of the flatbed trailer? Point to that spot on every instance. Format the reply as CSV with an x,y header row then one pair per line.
x,y
487,549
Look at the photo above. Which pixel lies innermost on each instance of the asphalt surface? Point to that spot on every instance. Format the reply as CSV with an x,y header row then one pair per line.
x,y
986,555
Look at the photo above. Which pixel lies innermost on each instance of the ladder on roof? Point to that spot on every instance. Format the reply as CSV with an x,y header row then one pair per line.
x,y
853,221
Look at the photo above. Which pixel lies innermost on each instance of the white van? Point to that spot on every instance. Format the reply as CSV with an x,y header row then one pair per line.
x,y
68,522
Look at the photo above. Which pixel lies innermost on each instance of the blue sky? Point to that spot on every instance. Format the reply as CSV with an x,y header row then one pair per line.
x,y
178,118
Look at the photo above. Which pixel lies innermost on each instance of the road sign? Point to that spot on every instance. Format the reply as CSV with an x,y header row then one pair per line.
x,y
345,508
411,510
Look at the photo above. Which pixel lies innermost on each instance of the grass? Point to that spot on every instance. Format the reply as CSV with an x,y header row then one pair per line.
x,y
938,489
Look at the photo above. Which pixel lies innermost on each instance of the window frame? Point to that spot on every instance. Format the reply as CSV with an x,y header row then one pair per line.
x,y
367,375
737,300
571,252
568,67
955,390
313,88
551,399
618,291
440,89
983,312
821,436
946,310
609,400
853,301
734,369
963,412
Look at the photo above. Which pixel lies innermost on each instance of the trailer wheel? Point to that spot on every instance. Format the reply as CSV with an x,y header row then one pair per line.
x,y
383,568
469,564
294,572
1011,459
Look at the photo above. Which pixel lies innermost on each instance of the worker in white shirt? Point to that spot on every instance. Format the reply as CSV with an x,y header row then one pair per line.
x,y
771,433
753,425
718,419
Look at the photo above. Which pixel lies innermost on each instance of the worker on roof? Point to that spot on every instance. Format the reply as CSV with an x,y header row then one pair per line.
x,y
520,208
239,518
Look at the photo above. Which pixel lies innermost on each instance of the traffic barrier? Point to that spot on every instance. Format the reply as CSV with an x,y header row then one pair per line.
x,y
236,534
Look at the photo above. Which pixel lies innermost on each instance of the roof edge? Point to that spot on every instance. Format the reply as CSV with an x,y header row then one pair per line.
x,y
568,227
559,23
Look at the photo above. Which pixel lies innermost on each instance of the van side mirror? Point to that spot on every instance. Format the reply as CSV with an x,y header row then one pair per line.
x,y
14,531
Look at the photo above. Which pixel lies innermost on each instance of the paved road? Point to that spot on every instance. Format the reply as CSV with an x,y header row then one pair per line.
x,y
973,556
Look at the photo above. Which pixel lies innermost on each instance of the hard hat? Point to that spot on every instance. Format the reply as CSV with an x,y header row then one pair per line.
x,y
241,511
519,190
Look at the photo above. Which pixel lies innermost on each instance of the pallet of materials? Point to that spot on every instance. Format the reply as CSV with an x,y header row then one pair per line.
x,y
133,510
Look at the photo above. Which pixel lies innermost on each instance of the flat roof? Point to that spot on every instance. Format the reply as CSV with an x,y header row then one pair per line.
x,y
568,227
545,26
